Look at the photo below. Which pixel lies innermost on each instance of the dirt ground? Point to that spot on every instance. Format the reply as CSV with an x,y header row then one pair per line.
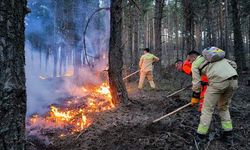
x,y
130,127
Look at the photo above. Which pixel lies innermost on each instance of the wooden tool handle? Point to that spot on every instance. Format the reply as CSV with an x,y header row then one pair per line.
x,y
156,120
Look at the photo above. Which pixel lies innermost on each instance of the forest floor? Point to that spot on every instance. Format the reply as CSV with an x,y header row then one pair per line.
x,y
130,127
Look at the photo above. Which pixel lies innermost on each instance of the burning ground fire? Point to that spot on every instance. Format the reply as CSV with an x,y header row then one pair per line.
x,y
74,114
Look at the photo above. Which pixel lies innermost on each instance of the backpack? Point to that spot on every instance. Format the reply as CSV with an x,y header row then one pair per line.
x,y
213,54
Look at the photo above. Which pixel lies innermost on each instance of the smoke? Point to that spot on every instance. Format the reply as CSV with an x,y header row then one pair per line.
x,y
50,50
39,92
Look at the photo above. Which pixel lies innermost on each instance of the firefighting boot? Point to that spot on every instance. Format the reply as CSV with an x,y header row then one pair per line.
x,y
227,138
200,141
152,84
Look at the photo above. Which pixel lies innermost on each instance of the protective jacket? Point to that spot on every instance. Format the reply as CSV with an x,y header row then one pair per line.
x,y
146,61
187,68
222,78
216,72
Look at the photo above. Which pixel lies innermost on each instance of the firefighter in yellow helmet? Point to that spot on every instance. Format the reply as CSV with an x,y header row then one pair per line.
x,y
222,77
146,68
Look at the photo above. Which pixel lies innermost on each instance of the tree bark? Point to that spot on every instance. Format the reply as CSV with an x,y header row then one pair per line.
x,y
130,35
151,34
183,42
55,55
76,41
147,32
248,35
198,36
12,75
225,47
117,87
238,41
208,24
62,68
221,24
136,36
189,23
176,30
159,4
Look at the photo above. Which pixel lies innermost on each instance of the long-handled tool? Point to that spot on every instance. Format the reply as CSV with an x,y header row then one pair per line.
x,y
156,120
135,72
131,74
176,92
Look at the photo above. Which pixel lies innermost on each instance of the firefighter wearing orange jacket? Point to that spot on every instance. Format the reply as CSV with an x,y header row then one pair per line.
x,y
186,68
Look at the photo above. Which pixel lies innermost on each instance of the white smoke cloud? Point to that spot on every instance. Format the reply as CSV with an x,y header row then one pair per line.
x,y
42,93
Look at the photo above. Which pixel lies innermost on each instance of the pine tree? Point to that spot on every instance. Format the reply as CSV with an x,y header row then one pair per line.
x,y
12,76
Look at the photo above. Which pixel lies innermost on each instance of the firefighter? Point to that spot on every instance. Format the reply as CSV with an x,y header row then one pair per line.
x,y
186,68
222,77
146,68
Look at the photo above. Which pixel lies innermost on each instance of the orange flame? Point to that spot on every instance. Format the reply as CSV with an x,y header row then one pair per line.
x,y
77,118
64,116
105,90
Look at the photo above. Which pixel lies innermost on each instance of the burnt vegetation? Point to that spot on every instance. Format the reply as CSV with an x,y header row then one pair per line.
x,y
62,72
132,127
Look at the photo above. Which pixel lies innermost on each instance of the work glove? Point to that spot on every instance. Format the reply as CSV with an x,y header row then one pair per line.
x,y
195,98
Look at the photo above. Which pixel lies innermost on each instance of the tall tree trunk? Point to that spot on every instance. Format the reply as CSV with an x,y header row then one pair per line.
x,y
12,76
176,30
238,41
76,41
125,35
213,23
55,4
62,59
147,32
159,4
151,34
249,35
222,23
208,24
130,36
40,56
142,28
117,87
47,57
183,42
55,55
226,29
198,32
136,35
188,15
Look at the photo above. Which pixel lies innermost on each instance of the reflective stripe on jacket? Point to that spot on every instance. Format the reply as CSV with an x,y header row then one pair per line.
x,y
216,72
